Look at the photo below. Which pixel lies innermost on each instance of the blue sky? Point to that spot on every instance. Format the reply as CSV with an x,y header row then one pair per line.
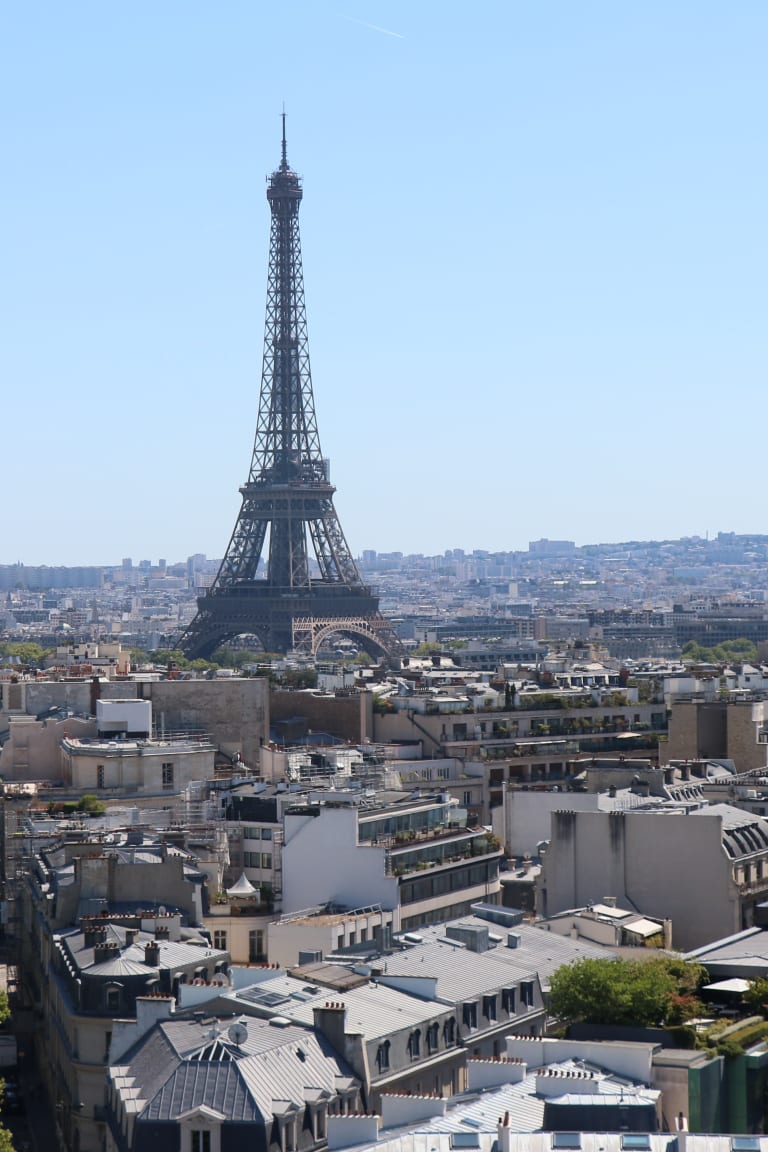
x,y
535,252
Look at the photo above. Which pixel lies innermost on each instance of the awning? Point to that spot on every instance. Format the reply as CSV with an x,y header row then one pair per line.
x,y
644,928
735,984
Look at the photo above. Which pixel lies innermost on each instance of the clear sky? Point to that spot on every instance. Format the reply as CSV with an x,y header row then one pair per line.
x,y
535,253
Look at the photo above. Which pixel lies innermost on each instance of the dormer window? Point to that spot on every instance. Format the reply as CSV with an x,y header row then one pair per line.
x,y
469,1014
414,1044
318,1113
382,1056
201,1130
287,1125
113,995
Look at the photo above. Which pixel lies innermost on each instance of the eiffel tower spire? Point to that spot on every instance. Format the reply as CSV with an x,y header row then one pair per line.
x,y
288,497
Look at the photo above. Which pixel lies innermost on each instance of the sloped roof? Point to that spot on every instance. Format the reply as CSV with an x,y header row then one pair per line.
x,y
185,1064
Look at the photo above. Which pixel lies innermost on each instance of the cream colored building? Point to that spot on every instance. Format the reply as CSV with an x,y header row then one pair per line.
x,y
154,767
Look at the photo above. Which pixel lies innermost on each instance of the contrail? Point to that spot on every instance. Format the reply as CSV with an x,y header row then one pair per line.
x,y
375,27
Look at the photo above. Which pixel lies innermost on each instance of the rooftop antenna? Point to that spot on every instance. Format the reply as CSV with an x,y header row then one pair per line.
x,y
284,156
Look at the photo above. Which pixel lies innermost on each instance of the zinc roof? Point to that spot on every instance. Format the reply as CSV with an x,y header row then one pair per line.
x,y
539,952
372,1009
184,1064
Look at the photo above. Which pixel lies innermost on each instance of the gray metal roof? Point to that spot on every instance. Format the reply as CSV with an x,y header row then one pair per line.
x,y
462,973
744,834
372,1009
131,960
480,1111
745,953
183,1064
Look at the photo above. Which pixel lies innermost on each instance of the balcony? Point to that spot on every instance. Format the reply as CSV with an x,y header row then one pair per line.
x,y
450,850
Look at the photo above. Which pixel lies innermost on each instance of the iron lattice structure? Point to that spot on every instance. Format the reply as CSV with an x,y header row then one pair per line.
x,y
288,498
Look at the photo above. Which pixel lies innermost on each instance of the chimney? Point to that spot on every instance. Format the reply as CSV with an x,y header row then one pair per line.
x,y
346,1131
330,1019
130,936
398,1108
504,1134
162,931
93,934
95,693
152,954
105,950
485,1074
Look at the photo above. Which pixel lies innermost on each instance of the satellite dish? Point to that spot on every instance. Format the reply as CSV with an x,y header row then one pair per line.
x,y
238,1032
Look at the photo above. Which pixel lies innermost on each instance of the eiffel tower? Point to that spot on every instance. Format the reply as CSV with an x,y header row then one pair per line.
x,y
288,496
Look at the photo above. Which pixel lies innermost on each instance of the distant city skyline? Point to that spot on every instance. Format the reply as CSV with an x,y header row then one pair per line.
x,y
534,249
141,558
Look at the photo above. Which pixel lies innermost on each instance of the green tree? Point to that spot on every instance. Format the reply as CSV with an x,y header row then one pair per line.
x,y
5,1010
91,805
756,995
169,656
298,678
639,992
739,651
426,649
26,651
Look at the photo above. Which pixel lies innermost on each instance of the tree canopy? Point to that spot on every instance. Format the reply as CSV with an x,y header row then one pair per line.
x,y
730,651
756,995
639,992
25,651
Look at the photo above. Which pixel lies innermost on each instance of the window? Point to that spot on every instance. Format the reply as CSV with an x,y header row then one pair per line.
x,y
414,1044
469,1015
566,1140
252,833
449,1032
638,1141
527,993
468,798
288,1133
382,1056
508,1001
266,859
319,1123
99,775
113,999
489,1007
266,833
433,1038
220,939
167,770
256,952
201,1140
107,1045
